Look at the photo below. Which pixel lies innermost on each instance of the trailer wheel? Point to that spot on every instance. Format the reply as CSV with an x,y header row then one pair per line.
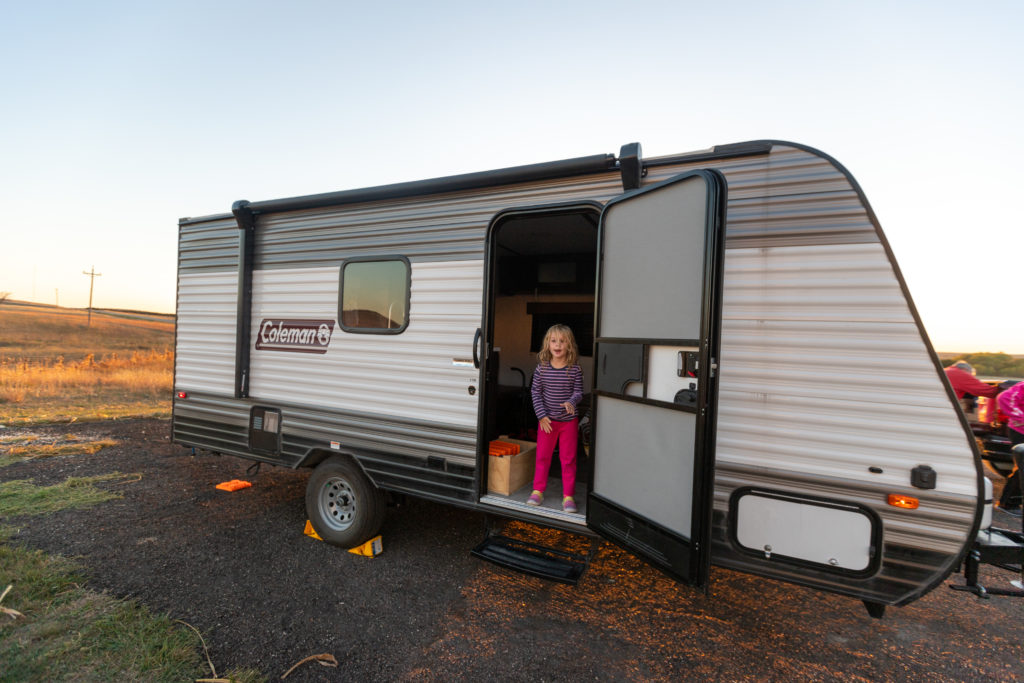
x,y
345,508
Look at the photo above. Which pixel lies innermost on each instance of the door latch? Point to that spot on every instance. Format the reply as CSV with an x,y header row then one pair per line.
x,y
687,363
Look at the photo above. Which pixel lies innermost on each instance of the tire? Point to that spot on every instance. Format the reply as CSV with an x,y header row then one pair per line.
x,y
345,508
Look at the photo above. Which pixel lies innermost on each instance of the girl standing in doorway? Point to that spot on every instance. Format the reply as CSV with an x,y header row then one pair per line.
x,y
557,390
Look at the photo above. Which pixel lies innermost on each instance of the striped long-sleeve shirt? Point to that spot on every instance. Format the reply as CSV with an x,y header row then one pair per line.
x,y
554,386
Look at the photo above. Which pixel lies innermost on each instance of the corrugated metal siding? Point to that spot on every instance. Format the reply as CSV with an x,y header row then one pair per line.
x,y
824,371
210,245
392,452
788,197
205,351
439,227
408,375
207,305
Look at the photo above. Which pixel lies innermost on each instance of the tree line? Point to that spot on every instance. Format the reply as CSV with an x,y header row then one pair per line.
x,y
991,364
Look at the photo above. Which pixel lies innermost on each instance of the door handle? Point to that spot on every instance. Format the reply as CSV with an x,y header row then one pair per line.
x,y
476,342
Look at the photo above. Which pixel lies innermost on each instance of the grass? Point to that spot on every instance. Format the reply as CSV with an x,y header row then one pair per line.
x,y
66,632
22,497
39,332
53,368
112,387
62,631
28,447
52,628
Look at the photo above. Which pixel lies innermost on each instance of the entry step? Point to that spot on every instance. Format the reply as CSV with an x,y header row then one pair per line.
x,y
532,559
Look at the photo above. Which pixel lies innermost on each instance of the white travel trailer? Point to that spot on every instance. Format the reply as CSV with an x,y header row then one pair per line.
x,y
761,393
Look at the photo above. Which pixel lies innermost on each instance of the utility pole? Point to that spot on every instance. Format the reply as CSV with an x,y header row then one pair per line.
x,y
92,278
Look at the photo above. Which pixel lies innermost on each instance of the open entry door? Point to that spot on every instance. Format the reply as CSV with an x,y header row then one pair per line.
x,y
655,397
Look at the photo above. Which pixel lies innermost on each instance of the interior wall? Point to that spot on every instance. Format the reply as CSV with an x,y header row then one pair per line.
x,y
512,336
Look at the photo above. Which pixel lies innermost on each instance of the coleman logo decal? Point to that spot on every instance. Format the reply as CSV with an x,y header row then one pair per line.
x,y
303,336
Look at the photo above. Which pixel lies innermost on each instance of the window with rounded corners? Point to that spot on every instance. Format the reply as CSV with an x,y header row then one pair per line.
x,y
375,295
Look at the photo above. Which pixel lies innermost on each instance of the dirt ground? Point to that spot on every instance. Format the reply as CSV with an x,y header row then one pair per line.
x,y
238,567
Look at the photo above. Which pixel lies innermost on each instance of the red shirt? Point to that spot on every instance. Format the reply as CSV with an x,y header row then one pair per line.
x,y
964,382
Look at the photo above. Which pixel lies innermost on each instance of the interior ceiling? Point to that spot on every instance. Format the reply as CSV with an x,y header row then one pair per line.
x,y
549,235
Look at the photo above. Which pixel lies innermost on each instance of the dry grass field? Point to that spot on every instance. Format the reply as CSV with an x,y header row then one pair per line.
x,y
55,367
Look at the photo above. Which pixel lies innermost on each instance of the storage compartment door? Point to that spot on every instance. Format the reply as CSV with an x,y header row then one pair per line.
x,y
658,321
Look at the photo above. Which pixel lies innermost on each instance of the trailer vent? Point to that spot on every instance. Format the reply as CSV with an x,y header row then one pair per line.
x,y
265,430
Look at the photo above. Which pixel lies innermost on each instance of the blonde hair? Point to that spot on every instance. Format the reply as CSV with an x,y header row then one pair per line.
x,y
573,353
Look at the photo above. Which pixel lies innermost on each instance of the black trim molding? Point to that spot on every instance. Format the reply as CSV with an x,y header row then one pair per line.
x,y
246,251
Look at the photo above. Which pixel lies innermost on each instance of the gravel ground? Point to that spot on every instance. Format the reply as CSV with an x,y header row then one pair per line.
x,y
238,567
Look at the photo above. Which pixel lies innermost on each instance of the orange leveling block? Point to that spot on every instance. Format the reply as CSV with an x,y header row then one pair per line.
x,y
234,485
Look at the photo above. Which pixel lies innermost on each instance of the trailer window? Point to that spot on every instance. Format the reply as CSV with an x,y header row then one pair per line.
x,y
375,296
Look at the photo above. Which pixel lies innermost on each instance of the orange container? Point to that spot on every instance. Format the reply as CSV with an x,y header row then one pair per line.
x,y
500,448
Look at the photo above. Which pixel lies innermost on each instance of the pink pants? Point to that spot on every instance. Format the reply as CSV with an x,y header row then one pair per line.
x,y
564,434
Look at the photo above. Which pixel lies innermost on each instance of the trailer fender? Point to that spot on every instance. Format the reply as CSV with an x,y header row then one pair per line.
x,y
315,456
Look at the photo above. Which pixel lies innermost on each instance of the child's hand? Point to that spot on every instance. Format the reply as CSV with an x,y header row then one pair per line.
x,y
545,425
570,409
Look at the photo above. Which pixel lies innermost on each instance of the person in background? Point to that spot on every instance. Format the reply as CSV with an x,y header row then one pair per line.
x,y
1011,402
967,387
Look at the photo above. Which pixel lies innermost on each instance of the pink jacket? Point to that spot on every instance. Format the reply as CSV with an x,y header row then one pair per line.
x,y
1011,402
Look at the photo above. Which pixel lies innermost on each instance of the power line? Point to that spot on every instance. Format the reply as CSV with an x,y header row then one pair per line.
x,y
92,278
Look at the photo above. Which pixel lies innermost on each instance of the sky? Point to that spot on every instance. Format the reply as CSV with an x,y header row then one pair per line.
x,y
119,118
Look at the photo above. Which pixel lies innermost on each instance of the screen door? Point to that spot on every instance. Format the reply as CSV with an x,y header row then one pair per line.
x,y
657,329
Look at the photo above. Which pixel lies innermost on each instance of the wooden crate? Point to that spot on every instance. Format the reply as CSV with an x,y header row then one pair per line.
x,y
507,474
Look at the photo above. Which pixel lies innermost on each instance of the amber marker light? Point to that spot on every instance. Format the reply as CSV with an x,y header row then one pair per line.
x,y
906,502
183,394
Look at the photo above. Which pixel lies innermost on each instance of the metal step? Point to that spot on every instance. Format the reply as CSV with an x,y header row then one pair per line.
x,y
532,559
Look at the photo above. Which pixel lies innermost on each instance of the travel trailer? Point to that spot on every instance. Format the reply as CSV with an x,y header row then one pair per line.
x,y
760,392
